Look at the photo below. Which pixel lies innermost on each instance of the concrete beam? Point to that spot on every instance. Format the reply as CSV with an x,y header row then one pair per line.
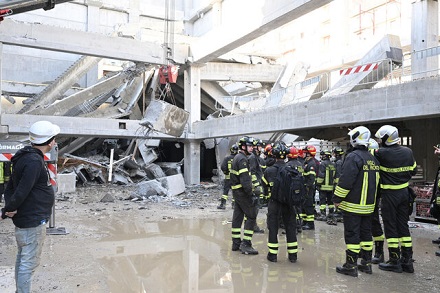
x,y
418,99
258,18
240,72
40,36
18,124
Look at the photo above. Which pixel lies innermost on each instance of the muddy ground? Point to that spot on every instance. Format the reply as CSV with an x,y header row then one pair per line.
x,y
182,244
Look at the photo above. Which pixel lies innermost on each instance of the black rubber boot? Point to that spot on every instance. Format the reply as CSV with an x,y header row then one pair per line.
x,y
222,204
365,265
236,244
393,264
407,260
246,248
436,241
308,226
293,257
437,253
258,230
321,216
272,257
350,266
378,253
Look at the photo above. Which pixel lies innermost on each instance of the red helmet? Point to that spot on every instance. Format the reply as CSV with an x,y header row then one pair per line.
x,y
268,149
293,153
310,149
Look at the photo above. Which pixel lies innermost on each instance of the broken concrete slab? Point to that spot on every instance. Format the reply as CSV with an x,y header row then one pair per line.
x,y
108,198
171,168
148,154
66,182
150,188
175,184
166,118
154,171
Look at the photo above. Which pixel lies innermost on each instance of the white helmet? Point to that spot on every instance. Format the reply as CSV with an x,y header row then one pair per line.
x,y
42,131
388,134
372,144
359,136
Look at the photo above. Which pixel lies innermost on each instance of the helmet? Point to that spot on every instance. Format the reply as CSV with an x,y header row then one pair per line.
x,y
257,142
388,134
310,149
42,131
326,154
293,153
268,150
359,136
372,144
280,150
244,141
338,151
234,149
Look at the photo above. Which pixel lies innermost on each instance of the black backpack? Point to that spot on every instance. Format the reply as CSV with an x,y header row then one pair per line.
x,y
288,186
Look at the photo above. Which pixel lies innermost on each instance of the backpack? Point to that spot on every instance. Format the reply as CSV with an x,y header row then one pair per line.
x,y
288,187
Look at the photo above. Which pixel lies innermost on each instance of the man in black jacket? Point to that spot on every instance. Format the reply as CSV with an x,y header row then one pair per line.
x,y
355,195
29,197
397,166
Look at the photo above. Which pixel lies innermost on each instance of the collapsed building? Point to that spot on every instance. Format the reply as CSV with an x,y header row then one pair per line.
x,y
147,91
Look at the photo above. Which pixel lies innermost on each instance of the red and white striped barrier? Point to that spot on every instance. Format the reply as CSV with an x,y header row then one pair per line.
x,y
360,68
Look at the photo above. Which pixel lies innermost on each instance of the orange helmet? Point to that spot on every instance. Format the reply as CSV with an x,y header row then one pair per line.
x,y
310,149
293,153
268,149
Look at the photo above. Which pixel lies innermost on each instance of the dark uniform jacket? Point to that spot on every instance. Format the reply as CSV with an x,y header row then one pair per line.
x,y
357,187
240,175
29,190
296,164
226,165
269,176
310,172
255,169
338,166
326,175
397,166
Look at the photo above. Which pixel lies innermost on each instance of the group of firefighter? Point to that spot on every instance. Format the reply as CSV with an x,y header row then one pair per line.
x,y
351,185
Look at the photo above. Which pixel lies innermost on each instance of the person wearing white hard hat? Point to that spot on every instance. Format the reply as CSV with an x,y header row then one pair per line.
x,y
397,166
355,196
29,197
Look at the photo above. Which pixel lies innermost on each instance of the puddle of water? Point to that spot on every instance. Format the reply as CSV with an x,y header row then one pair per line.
x,y
194,255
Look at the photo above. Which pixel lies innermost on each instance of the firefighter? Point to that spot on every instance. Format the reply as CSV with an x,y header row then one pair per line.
x,y
310,170
355,195
245,200
376,226
325,183
2,180
337,152
397,166
256,175
263,167
293,160
226,167
277,208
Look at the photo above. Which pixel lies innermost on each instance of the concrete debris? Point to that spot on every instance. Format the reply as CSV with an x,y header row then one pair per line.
x,y
108,198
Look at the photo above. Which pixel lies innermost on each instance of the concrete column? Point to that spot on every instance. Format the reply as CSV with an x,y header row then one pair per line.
x,y
134,12
93,8
192,97
424,35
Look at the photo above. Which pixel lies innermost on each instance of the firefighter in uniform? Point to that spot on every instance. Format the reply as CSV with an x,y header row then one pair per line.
x,y
397,166
338,152
325,183
256,175
226,167
277,208
309,177
293,160
376,226
355,195
245,200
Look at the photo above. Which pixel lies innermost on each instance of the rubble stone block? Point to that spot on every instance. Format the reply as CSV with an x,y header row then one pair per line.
x,y
165,118
151,187
66,182
175,184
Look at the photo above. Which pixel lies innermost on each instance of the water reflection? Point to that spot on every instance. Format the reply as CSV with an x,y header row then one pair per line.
x,y
194,255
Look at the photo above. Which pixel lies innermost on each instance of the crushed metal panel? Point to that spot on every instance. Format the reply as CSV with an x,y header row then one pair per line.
x,y
166,118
